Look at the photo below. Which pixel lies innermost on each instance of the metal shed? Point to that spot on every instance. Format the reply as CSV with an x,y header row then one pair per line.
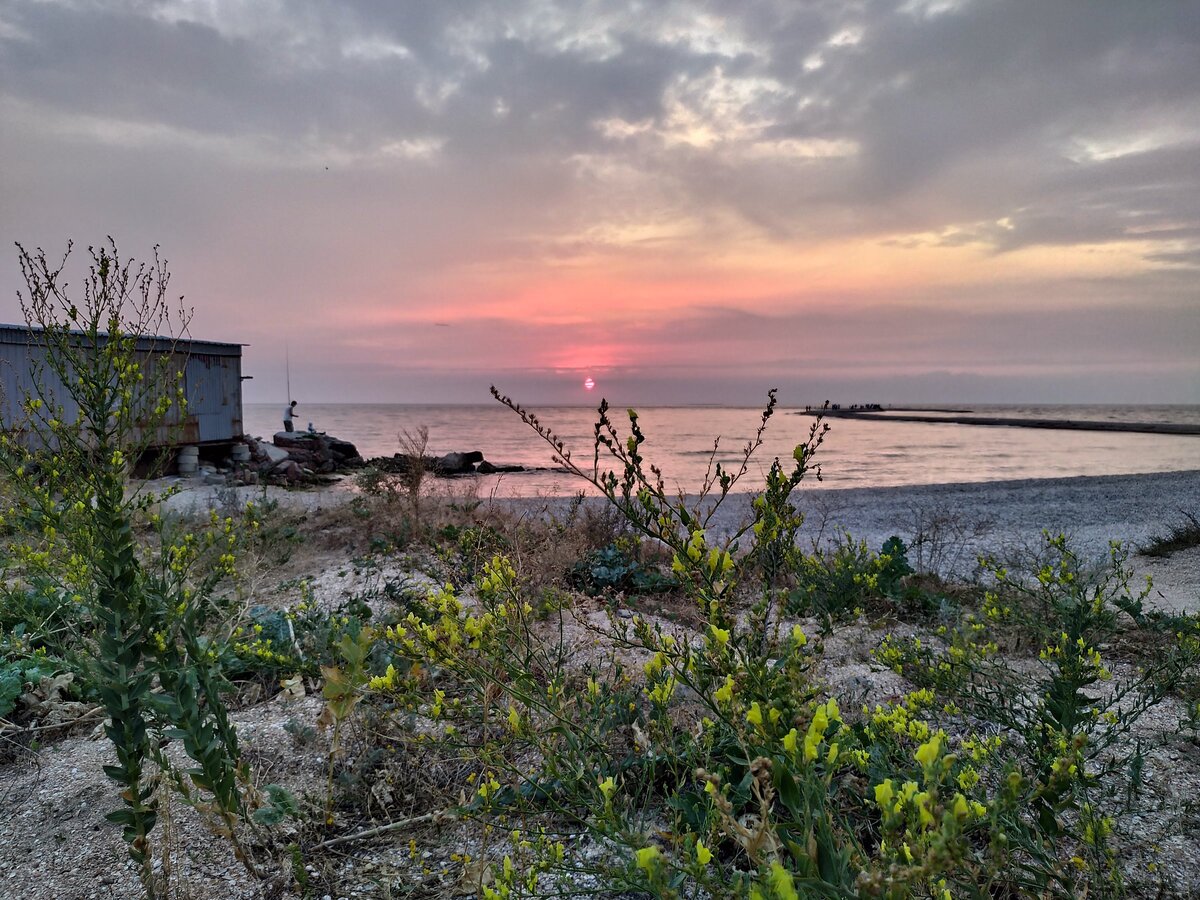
x,y
212,381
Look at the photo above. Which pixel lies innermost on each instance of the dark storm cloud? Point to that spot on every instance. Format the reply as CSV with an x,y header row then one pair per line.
x,y
968,114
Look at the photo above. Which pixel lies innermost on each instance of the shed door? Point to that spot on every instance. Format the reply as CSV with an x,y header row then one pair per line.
x,y
205,399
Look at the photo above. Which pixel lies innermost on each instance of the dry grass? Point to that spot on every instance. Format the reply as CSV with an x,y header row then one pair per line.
x,y
1182,536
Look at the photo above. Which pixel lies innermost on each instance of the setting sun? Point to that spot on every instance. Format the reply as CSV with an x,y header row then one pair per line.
x,y
588,384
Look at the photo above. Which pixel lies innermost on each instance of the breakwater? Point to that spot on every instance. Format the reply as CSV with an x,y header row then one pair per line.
x,y
1005,421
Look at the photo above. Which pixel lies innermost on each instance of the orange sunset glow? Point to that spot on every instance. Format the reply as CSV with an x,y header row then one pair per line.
x,y
669,449
825,197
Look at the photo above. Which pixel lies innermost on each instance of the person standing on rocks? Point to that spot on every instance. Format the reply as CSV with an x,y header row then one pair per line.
x,y
287,416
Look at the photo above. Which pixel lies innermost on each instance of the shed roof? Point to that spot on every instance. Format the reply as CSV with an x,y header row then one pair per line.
x,y
21,334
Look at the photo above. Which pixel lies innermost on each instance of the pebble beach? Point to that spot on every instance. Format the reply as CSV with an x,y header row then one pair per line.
x,y
952,522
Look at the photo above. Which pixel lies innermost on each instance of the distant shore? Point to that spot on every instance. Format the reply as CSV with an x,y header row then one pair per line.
x,y
955,417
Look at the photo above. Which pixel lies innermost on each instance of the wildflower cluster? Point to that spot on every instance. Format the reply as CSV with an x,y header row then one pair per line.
x,y
104,389
708,756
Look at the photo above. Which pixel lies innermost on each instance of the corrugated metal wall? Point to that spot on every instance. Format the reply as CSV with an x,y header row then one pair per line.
x,y
212,385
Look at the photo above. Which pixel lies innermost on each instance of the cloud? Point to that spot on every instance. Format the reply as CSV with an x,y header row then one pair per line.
x,y
613,162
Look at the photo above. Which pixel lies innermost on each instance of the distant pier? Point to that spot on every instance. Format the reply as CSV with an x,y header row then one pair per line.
x,y
954,417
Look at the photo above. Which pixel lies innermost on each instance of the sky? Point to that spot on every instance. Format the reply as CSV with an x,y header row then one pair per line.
x,y
895,201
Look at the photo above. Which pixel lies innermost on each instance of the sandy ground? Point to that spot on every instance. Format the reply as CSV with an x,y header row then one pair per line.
x,y
54,842
947,526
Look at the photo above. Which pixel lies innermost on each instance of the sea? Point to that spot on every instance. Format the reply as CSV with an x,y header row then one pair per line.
x,y
683,441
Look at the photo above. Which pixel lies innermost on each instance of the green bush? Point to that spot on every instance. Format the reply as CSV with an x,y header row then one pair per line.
x,y
612,568
718,762
138,611
834,584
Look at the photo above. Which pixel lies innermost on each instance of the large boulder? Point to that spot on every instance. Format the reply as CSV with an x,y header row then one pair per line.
x,y
342,451
458,463
271,453
316,452
298,440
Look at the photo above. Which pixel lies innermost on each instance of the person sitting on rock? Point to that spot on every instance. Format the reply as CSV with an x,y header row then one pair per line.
x,y
287,417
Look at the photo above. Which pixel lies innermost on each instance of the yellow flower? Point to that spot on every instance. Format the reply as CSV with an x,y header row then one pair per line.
x,y
799,638
781,882
663,691
930,752
960,808
812,742
703,854
789,741
817,728
607,787
725,694
884,794
720,635
755,716
648,858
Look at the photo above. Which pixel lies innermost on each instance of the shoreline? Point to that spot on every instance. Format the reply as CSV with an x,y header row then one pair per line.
x,y
949,525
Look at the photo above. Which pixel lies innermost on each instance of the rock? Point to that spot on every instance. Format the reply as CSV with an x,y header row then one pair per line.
x,y
342,449
272,453
313,452
487,468
399,463
300,440
290,471
459,463
306,457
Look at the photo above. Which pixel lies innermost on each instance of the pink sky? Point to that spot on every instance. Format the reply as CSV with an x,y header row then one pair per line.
x,y
689,202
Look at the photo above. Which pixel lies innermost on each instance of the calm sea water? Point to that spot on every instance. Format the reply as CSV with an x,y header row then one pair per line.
x,y
680,441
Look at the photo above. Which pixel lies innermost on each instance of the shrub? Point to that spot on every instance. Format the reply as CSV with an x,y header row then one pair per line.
x,y
613,568
1182,536
713,760
139,611
831,585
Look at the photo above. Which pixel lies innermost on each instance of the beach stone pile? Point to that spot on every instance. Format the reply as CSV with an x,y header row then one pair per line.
x,y
296,458
469,462
320,453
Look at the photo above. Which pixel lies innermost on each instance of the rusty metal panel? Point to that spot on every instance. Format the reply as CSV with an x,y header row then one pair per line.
x,y
211,382
22,369
214,390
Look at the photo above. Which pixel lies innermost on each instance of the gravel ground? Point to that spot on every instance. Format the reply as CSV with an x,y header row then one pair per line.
x,y
948,525
54,842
